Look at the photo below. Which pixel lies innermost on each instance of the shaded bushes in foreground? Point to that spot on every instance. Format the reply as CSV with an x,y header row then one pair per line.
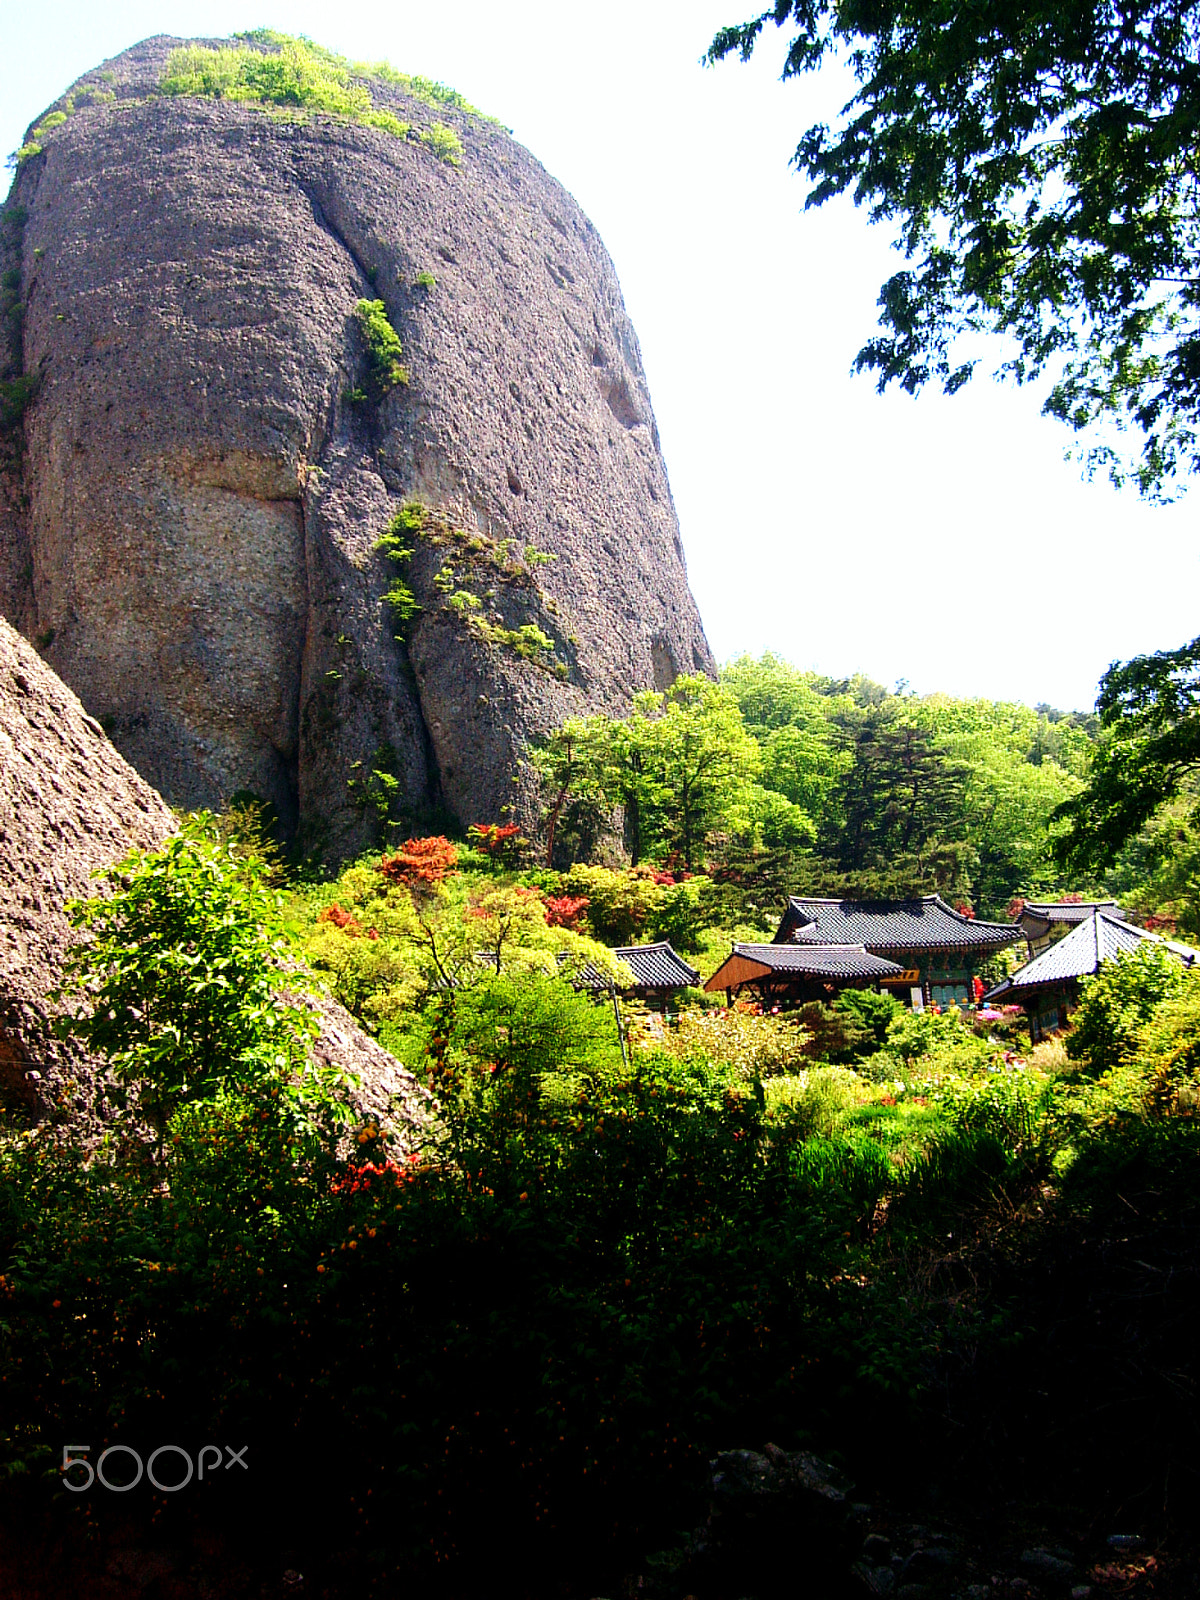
x,y
527,1344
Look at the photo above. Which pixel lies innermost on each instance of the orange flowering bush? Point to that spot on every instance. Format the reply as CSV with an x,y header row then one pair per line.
x,y
420,864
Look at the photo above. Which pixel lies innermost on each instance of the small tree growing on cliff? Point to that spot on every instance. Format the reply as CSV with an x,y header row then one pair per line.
x,y
384,349
177,981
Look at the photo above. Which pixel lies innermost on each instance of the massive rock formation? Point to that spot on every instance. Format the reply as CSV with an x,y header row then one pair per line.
x,y
189,532
69,807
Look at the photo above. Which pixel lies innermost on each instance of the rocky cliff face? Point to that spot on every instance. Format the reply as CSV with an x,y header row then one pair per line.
x,y
188,530
69,807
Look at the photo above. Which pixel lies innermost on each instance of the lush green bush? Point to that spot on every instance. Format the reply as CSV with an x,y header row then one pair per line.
x,y
1117,1002
296,73
739,1042
540,1331
939,1043
874,1010
385,944
588,1281
634,904
1169,1045
853,1027
176,981
444,143
16,395
816,1102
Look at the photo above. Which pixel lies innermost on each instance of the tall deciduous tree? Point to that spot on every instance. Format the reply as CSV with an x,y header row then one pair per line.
x,y
1148,754
700,759
792,721
570,763
1012,783
680,765
1041,164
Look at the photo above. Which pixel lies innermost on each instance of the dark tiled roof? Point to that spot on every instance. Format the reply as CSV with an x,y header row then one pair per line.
x,y
819,960
1085,948
1039,915
654,966
925,924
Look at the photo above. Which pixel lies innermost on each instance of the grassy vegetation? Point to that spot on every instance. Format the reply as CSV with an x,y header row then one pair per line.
x,y
275,69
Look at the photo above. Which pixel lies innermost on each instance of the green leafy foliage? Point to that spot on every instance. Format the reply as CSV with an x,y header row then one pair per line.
x,y
386,370
785,711
679,766
1148,754
1157,874
387,934
1039,168
292,72
374,788
1169,1045
177,980
779,781
425,89
443,142
276,69
527,641
599,1271
398,596
1117,1001
16,395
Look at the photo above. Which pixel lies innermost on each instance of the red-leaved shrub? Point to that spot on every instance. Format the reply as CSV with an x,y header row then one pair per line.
x,y
500,840
345,920
565,910
420,863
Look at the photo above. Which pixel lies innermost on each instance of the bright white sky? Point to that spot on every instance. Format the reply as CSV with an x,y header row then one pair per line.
x,y
942,541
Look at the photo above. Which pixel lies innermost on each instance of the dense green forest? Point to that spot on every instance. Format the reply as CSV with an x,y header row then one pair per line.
x,y
778,780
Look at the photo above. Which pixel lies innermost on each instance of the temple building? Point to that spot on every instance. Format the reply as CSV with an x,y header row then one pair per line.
x,y
795,973
1044,921
1048,986
659,972
937,949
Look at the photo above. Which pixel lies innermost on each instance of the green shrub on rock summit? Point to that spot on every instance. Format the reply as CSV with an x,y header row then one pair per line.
x,y
297,72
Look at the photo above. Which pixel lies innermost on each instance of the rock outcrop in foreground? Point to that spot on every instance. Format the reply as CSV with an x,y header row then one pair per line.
x,y
70,806
209,456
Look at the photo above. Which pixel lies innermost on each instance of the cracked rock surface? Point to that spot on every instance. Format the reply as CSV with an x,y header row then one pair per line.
x,y
188,528
70,806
